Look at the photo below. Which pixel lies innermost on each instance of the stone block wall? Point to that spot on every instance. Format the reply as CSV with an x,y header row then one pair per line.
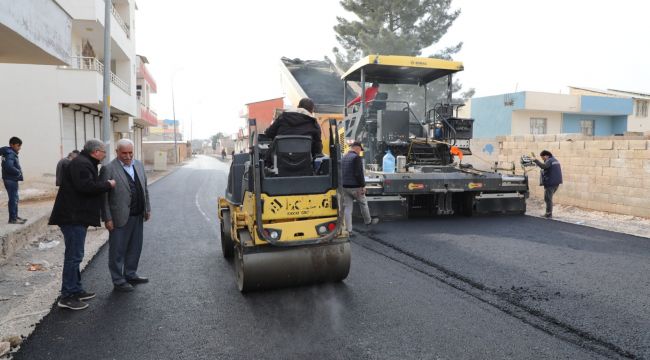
x,y
600,173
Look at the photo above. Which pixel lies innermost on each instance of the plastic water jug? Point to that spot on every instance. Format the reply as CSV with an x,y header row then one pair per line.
x,y
388,164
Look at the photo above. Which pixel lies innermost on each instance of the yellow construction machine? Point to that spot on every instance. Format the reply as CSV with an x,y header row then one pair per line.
x,y
280,218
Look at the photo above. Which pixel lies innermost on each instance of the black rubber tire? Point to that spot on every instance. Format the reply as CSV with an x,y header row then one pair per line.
x,y
468,204
227,245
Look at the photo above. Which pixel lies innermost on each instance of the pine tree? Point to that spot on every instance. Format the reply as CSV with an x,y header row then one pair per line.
x,y
395,27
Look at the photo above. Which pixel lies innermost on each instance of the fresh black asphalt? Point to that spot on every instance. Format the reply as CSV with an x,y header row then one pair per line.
x,y
512,287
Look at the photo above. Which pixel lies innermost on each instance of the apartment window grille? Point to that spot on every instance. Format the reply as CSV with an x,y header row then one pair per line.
x,y
587,127
537,126
642,108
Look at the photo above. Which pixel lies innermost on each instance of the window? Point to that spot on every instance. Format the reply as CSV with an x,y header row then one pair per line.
x,y
538,126
587,127
641,108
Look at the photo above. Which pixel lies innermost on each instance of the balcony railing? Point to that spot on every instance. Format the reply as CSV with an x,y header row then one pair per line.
x,y
93,64
121,22
148,115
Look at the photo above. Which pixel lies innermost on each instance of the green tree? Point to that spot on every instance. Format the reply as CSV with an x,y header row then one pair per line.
x,y
395,27
215,139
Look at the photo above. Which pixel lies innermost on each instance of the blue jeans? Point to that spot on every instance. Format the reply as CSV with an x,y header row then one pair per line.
x,y
12,192
75,237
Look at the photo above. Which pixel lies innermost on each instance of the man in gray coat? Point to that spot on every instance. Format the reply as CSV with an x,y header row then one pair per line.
x,y
125,209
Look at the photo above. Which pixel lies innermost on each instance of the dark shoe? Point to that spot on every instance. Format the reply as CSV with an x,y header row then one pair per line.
x,y
21,219
84,295
125,287
548,216
138,280
17,222
72,303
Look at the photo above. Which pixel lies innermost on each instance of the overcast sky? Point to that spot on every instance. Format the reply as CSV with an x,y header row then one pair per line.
x,y
221,57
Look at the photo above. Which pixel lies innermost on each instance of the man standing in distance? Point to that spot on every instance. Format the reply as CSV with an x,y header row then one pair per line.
x,y
77,206
125,209
62,164
354,183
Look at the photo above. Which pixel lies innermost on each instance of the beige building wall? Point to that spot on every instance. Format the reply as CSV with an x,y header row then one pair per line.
x,y
552,102
639,123
521,121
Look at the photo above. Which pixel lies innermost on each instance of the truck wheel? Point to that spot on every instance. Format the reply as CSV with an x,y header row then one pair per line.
x,y
227,245
468,204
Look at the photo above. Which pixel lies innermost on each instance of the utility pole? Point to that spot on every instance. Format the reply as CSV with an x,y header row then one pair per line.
x,y
106,113
174,114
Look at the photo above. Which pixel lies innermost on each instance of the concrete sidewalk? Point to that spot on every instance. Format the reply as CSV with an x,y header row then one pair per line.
x,y
31,259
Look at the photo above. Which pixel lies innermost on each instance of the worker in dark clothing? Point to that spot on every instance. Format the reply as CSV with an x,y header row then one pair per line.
x,y
62,164
300,121
354,182
371,92
551,178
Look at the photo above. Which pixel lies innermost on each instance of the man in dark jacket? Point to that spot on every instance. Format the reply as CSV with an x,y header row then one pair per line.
x,y
11,175
354,182
300,121
77,206
551,178
60,166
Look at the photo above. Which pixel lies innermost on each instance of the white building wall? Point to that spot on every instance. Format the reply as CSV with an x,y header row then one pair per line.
x,y
552,102
30,110
521,121
38,31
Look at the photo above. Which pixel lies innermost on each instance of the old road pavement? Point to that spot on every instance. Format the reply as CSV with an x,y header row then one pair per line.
x,y
514,287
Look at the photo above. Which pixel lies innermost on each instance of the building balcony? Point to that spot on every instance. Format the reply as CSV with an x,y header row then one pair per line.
x,y
147,116
93,64
81,82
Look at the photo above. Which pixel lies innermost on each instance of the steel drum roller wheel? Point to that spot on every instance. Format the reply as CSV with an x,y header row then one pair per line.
x,y
227,246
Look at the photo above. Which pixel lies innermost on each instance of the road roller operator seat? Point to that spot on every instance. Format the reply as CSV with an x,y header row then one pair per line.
x,y
290,155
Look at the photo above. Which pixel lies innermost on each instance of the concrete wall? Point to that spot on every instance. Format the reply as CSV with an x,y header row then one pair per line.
x,y
149,149
609,174
36,31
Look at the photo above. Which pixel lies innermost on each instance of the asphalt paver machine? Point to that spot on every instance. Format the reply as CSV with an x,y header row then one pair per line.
x,y
280,217
428,136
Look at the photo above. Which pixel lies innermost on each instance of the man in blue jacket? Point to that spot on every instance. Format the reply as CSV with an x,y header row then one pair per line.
x,y
551,178
11,175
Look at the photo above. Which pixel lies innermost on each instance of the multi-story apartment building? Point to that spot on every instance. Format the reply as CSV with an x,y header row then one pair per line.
x,y
146,85
55,109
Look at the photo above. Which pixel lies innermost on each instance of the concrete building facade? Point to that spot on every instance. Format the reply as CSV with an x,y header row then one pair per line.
x,y
34,32
537,113
55,109
145,87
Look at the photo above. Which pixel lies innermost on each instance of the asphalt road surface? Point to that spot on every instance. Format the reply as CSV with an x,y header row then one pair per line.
x,y
447,288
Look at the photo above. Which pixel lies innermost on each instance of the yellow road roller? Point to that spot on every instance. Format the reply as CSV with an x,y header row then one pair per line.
x,y
280,217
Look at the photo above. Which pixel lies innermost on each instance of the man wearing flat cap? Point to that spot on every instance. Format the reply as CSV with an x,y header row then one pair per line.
x,y
354,183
